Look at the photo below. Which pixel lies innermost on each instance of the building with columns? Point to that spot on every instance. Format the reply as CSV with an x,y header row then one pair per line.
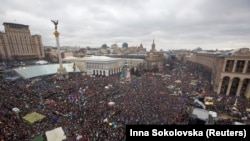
x,y
103,65
18,43
230,71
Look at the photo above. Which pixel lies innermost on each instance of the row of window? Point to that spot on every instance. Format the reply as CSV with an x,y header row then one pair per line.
x,y
99,65
20,44
234,86
239,68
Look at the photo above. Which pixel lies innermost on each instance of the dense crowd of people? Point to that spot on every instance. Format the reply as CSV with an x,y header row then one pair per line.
x,y
81,104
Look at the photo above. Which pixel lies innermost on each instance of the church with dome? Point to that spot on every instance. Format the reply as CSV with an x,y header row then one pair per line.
x,y
154,59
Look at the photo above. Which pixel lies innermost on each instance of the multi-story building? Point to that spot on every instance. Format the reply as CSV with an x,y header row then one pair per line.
x,y
154,59
18,43
230,71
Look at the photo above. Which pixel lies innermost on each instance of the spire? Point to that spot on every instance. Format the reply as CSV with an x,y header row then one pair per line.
x,y
141,45
153,46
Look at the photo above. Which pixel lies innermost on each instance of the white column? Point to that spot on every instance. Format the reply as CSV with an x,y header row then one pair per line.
x,y
234,66
247,93
106,73
58,47
239,88
229,86
245,66
219,87
224,65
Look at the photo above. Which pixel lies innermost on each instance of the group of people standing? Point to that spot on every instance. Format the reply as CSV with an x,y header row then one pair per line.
x,y
81,106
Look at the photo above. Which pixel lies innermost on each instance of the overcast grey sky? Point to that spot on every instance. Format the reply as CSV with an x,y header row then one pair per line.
x,y
174,24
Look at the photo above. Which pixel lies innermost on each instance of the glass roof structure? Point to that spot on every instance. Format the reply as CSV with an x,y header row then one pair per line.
x,y
41,70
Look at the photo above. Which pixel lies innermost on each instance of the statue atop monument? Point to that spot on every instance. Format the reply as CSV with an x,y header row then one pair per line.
x,y
55,23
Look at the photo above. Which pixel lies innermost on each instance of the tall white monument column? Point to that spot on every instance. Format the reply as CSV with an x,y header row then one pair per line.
x,y
61,71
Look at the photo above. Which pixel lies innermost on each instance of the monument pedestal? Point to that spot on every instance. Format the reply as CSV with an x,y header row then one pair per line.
x,y
62,73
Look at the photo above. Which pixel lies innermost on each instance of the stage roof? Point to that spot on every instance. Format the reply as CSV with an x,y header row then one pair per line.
x,y
41,70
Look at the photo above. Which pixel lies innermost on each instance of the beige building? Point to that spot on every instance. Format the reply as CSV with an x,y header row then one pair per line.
x,y
18,43
154,59
230,71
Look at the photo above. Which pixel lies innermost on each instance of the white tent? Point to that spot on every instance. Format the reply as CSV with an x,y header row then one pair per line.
x,y
111,103
201,114
79,137
213,114
238,123
56,134
177,81
16,110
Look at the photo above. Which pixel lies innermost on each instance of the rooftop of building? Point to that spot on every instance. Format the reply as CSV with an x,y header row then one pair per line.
x,y
92,58
41,70
234,52
98,58
15,25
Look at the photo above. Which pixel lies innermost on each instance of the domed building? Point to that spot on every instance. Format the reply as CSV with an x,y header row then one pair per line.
x,y
154,59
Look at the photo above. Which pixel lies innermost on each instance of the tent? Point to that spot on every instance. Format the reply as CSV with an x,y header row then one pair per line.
x,y
38,138
56,134
238,123
209,100
213,114
170,86
55,119
111,103
201,114
194,82
16,110
177,81
33,117
79,137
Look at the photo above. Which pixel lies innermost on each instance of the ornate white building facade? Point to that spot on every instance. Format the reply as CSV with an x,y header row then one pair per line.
x,y
103,65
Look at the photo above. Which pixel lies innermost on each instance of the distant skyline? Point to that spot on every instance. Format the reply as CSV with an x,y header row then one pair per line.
x,y
173,24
